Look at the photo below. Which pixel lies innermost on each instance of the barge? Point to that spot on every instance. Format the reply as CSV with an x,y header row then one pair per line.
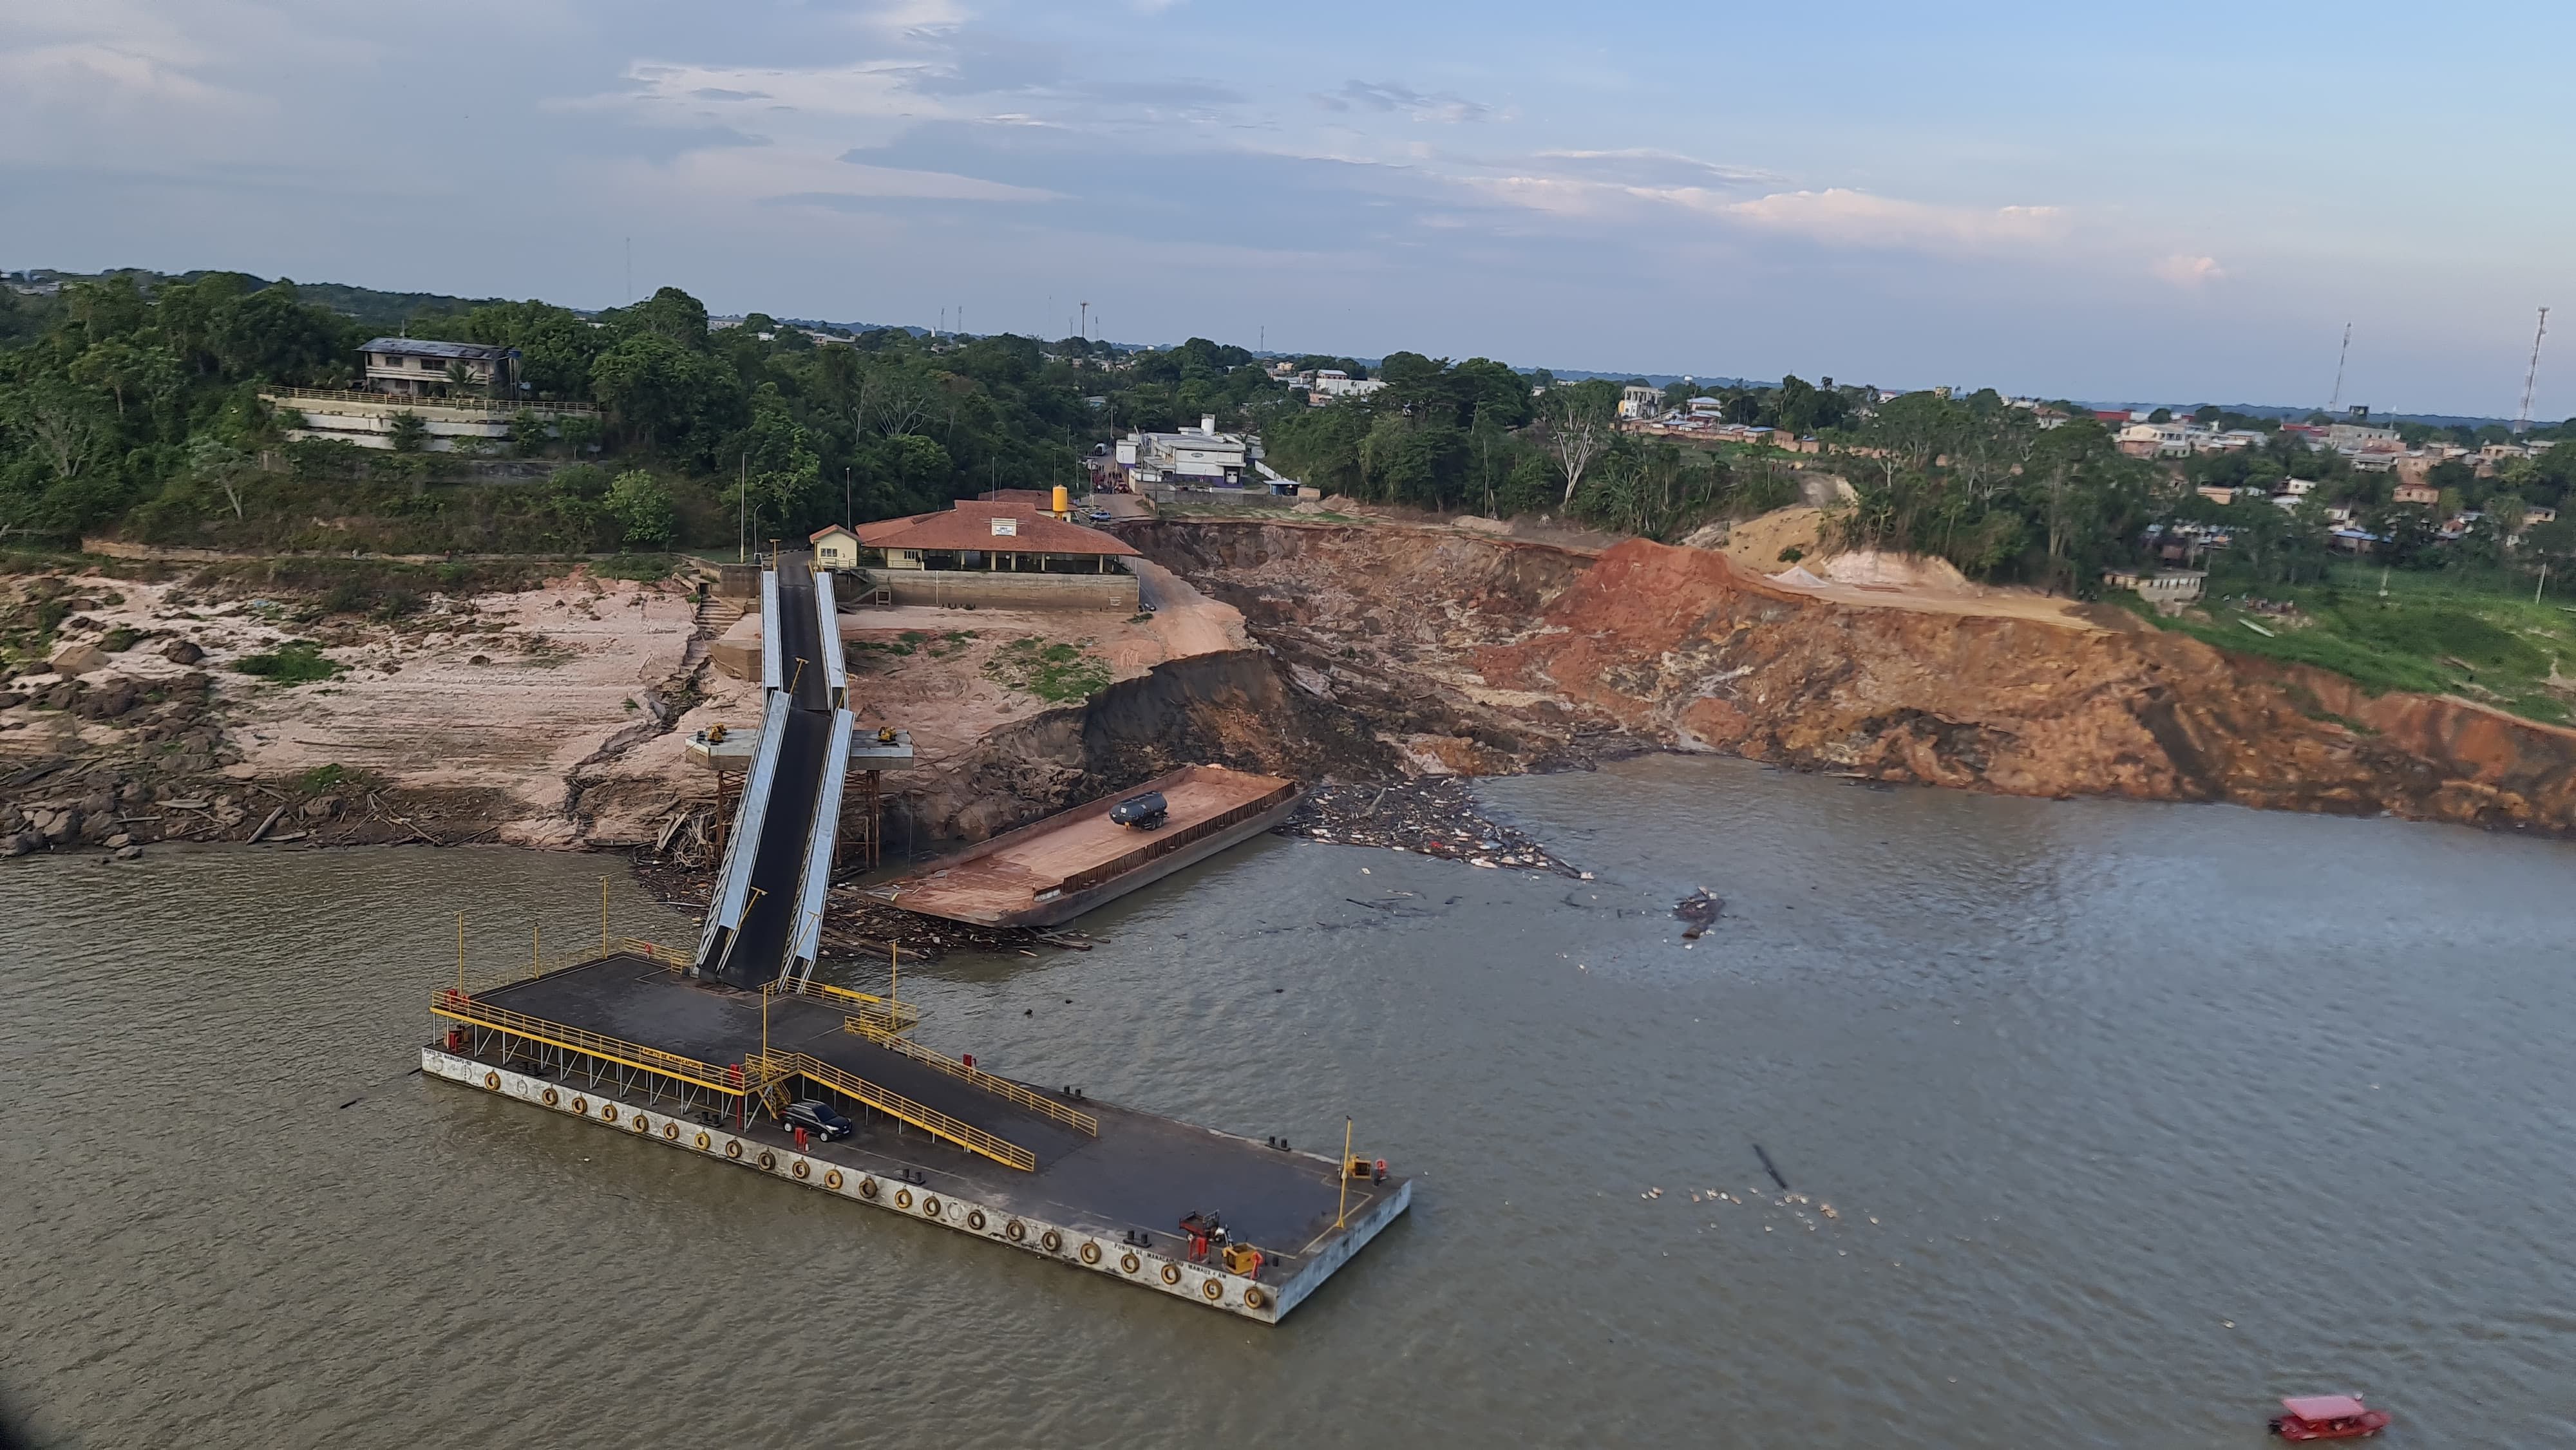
x,y
628,1042
1051,871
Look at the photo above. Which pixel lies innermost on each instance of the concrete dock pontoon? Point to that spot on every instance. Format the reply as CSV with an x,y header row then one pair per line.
x,y
628,1041
1053,870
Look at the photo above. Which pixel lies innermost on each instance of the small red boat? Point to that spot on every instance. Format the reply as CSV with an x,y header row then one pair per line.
x,y
2327,1417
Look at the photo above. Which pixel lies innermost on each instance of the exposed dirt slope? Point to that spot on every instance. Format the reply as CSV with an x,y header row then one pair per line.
x,y
1519,652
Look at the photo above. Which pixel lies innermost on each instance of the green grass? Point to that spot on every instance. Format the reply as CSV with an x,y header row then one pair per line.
x,y
1058,673
2431,634
322,778
641,568
296,662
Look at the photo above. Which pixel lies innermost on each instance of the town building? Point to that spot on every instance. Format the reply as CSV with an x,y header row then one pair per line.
x,y
2423,493
1639,401
1204,458
2354,437
835,547
465,398
418,367
2155,440
1327,384
2164,588
997,553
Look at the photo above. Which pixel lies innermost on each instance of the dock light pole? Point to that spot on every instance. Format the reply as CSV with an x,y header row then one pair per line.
x,y
460,954
1342,1171
536,949
603,916
894,988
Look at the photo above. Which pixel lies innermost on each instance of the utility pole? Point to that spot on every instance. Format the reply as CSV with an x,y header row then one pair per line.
x,y
2522,420
742,510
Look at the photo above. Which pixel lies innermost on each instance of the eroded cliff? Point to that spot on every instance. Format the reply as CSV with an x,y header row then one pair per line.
x,y
1473,654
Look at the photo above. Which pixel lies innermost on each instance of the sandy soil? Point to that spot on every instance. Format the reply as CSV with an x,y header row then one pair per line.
x,y
933,683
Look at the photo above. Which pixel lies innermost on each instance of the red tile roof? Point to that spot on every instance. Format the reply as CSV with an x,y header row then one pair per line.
x,y
969,525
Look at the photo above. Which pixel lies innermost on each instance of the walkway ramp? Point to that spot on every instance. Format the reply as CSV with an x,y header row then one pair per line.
x,y
766,916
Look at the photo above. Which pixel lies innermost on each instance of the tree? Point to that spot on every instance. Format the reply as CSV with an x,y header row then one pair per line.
x,y
1578,421
408,432
641,505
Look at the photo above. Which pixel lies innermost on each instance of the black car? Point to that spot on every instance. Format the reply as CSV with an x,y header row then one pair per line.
x,y
819,1119
1139,812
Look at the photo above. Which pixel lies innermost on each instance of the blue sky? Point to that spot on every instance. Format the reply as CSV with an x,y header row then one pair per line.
x,y
2181,205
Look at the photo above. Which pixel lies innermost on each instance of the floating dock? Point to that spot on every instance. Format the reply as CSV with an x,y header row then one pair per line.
x,y
627,1041
1051,871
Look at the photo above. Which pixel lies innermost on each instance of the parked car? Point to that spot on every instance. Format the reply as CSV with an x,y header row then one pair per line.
x,y
1140,812
819,1119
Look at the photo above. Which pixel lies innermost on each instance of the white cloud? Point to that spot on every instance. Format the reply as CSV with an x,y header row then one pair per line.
x,y
1841,216
2184,270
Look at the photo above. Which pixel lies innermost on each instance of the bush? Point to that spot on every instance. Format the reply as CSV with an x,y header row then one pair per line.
x,y
642,508
296,662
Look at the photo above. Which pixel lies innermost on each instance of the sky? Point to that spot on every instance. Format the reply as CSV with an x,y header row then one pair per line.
x,y
2181,205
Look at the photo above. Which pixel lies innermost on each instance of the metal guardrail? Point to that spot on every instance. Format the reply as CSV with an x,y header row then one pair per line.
x,y
1000,1087
930,1120
457,1007
407,400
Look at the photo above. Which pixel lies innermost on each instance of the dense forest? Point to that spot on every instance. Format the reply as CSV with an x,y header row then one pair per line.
x,y
132,402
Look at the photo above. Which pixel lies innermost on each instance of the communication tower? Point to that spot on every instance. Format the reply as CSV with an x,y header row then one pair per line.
x,y
2522,419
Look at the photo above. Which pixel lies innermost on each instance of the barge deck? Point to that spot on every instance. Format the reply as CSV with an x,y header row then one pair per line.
x,y
628,1042
1050,871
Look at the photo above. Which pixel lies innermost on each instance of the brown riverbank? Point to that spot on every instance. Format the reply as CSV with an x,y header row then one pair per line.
x,y
556,715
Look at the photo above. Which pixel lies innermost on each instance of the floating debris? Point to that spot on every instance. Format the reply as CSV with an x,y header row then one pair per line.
x,y
1437,817
1700,910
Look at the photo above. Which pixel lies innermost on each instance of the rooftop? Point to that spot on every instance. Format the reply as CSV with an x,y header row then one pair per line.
x,y
424,347
971,524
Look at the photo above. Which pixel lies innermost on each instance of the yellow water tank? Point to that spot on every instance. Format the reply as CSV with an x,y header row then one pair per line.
x,y
1063,501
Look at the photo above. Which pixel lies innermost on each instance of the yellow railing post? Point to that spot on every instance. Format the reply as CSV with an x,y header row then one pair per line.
x,y
1342,1171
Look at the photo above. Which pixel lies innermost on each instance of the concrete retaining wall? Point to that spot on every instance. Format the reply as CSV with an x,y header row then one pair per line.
x,y
957,588
1080,1248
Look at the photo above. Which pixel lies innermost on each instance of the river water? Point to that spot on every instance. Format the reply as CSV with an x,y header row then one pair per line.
x,y
2134,1119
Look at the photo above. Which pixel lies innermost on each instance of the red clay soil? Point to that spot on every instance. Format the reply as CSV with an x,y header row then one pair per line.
x,y
1684,646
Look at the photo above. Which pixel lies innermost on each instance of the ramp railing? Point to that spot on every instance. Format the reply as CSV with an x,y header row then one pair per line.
x,y
880,1013
1000,1087
893,1104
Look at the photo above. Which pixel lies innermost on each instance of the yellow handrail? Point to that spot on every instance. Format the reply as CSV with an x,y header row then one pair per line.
x,y
889,1014
929,1120
671,957
459,1008
1000,1087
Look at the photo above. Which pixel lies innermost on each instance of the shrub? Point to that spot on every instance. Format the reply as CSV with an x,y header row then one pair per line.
x,y
296,662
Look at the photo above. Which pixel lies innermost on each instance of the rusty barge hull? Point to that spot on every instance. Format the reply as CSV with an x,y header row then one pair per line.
x,y
1051,871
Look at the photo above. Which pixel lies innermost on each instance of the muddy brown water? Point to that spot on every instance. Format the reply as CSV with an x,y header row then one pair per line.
x,y
2161,1112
